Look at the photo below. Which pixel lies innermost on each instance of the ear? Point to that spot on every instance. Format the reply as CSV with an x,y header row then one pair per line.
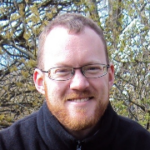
x,y
39,81
111,75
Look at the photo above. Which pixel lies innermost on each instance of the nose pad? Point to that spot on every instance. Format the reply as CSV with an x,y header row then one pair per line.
x,y
73,72
78,81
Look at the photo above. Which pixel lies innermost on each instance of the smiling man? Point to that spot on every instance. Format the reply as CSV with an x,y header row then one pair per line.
x,y
78,95
75,76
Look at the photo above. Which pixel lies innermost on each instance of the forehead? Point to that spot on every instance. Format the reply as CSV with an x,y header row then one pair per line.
x,y
62,46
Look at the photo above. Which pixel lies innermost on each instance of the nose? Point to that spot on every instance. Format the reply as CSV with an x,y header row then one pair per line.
x,y
78,81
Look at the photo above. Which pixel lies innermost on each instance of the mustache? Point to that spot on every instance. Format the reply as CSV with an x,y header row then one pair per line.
x,y
76,95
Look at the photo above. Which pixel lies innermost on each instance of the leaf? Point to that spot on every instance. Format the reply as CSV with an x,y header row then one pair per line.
x,y
2,116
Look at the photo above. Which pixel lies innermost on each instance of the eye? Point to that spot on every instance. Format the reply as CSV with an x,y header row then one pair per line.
x,y
94,68
62,71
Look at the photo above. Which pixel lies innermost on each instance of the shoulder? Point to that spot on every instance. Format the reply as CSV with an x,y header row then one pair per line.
x,y
131,126
25,122
19,132
132,134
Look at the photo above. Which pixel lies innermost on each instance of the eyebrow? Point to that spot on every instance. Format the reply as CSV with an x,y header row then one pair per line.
x,y
66,64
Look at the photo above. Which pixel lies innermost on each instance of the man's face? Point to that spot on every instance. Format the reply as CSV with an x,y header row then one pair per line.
x,y
80,102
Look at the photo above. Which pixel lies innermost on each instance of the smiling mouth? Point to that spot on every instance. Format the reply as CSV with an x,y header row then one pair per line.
x,y
79,100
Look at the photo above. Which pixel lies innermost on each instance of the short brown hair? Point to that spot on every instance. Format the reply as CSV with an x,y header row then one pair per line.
x,y
74,23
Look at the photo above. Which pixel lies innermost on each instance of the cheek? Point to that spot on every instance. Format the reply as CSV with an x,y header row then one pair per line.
x,y
102,88
54,90
101,83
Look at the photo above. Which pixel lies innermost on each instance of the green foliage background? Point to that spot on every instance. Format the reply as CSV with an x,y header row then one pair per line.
x,y
126,25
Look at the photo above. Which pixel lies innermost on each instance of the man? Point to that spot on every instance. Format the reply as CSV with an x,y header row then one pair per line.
x,y
75,76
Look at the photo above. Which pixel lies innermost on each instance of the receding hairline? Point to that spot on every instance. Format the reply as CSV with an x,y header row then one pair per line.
x,y
74,23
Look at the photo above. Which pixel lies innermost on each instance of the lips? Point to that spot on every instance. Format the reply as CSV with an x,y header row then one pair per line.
x,y
78,100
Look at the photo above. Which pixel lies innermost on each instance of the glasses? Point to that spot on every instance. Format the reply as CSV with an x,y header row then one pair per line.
x,y
66,73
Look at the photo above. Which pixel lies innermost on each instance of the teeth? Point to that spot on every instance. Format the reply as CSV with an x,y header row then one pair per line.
x,y
80,100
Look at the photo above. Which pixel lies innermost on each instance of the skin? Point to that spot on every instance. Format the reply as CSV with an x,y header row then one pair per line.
x,y
78,103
